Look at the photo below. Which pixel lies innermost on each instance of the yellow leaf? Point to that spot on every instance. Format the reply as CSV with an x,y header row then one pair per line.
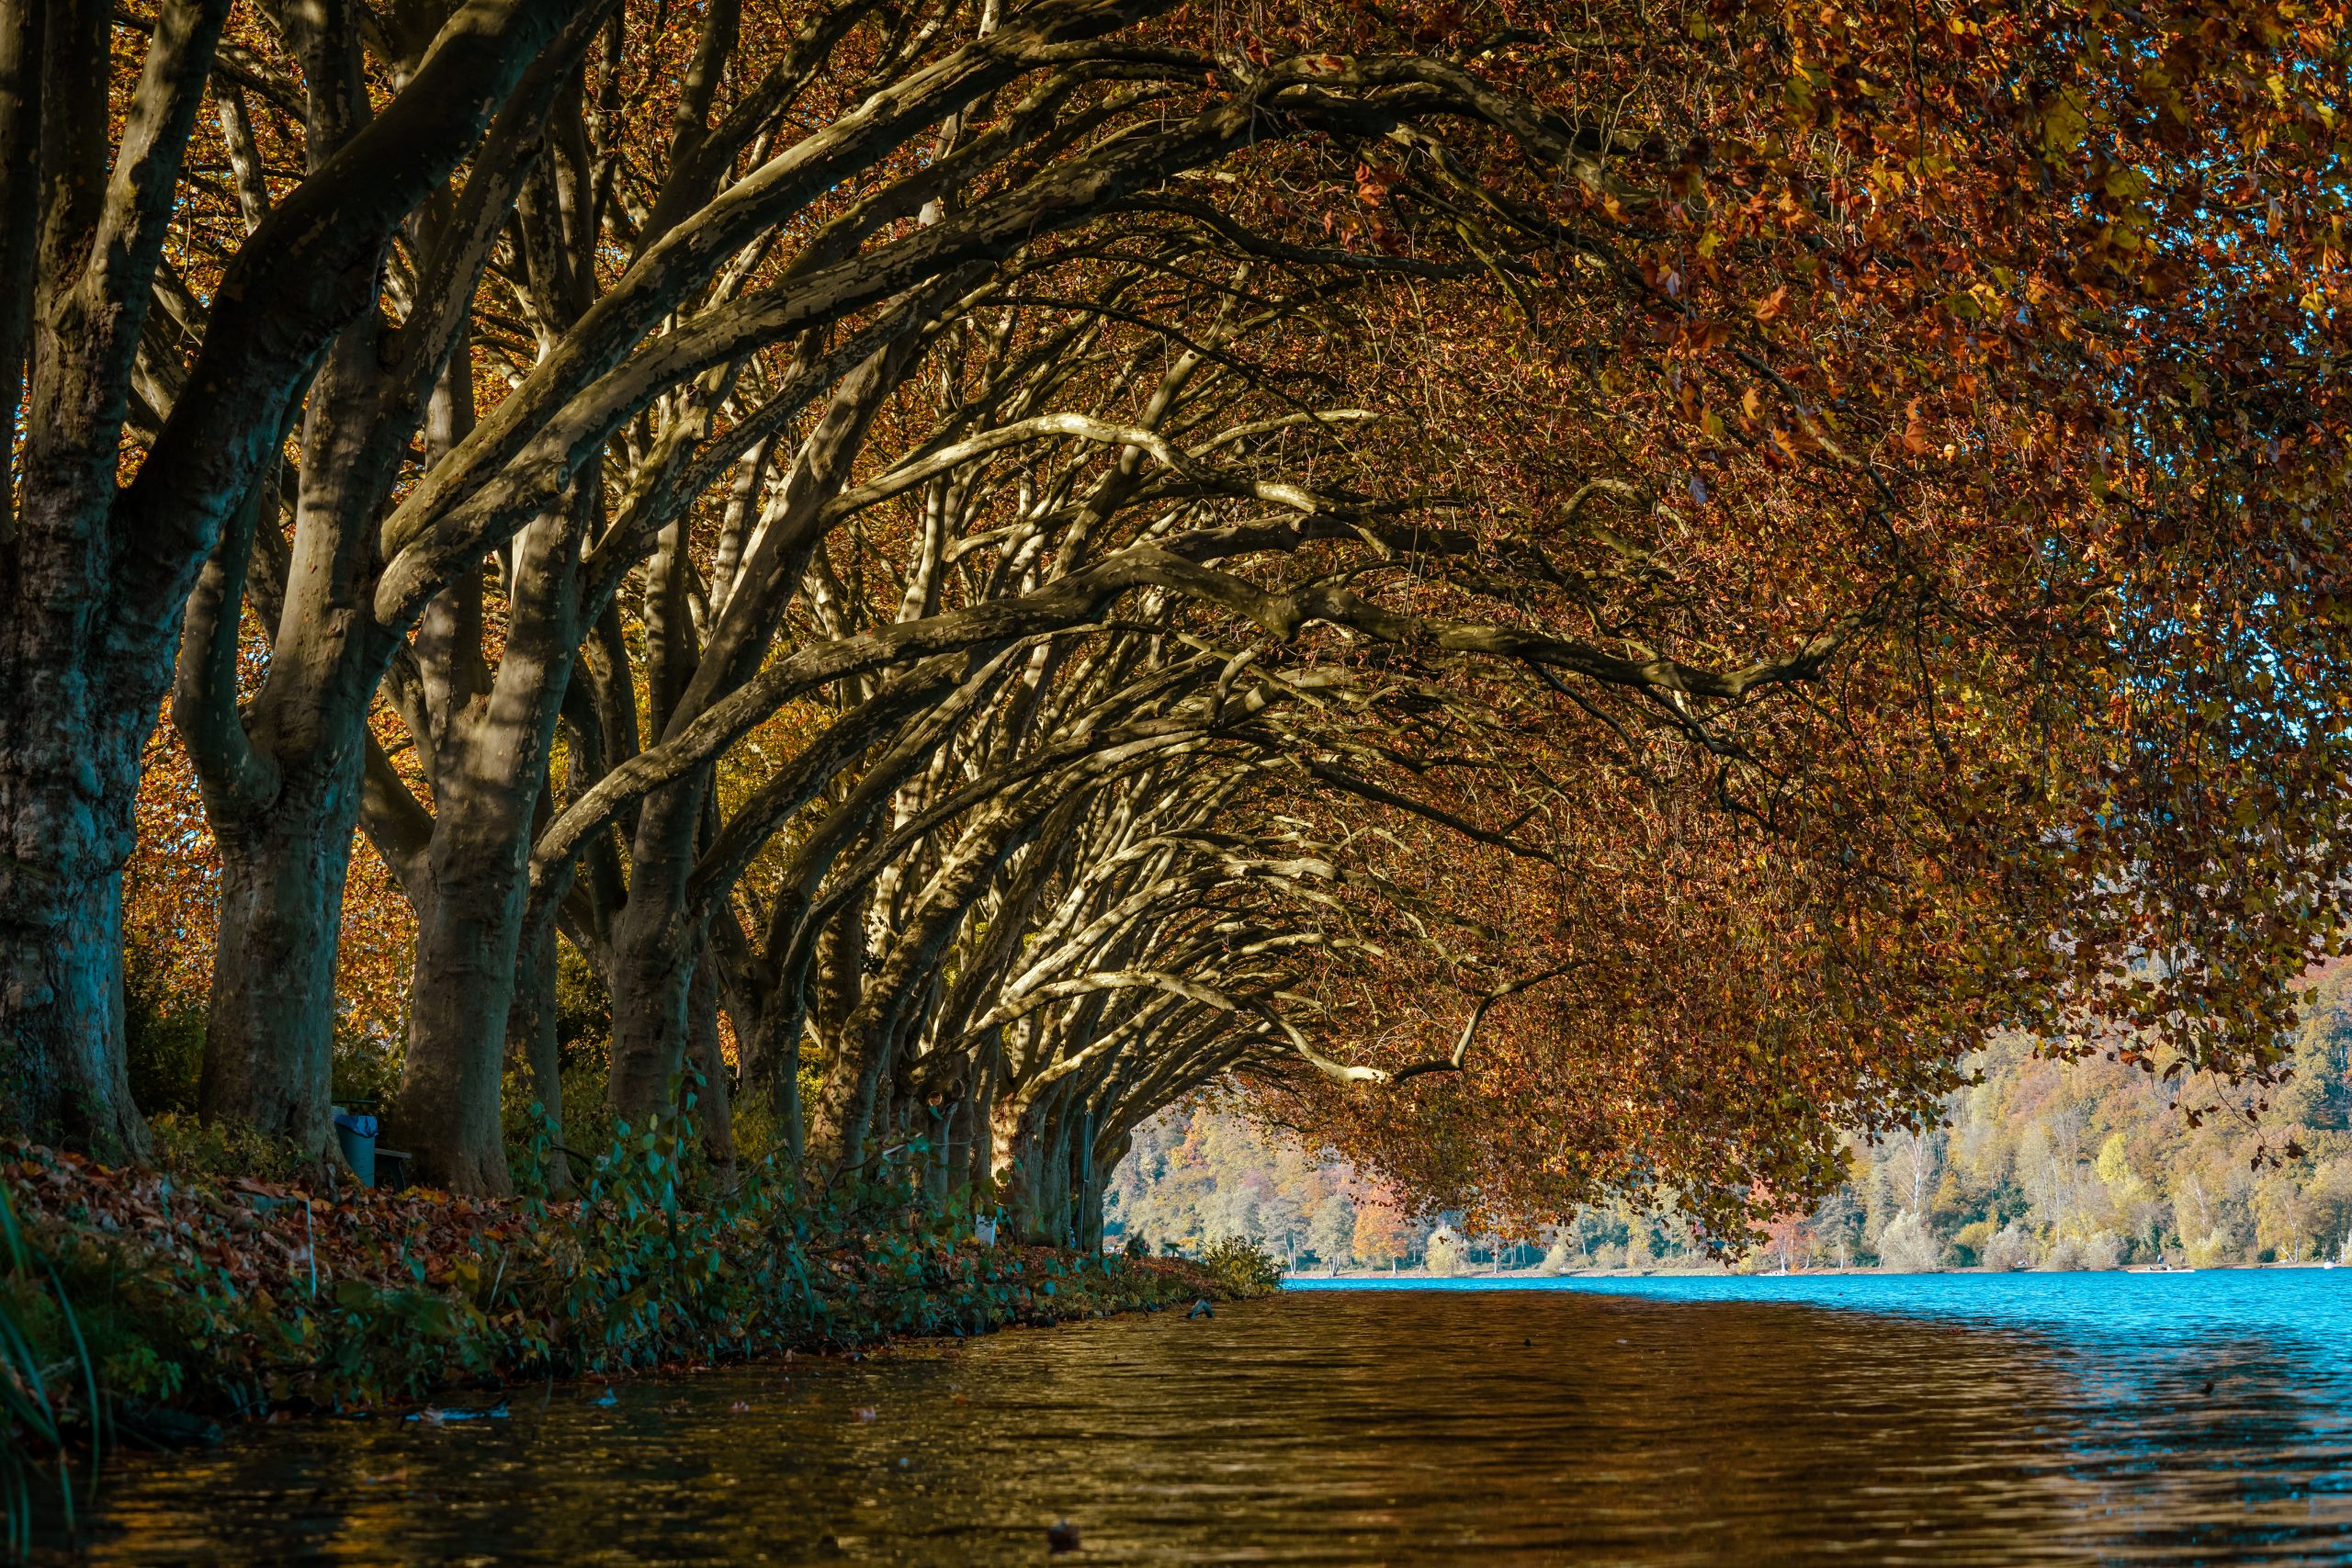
x,y
2065,123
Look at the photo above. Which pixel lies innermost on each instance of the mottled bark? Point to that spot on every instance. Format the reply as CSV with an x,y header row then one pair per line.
x,y
282,776
979,1128
61,989
1086,1182
1035,1181
532,1041
776,1061
270,1027
843,1115
1107,1162
489,772
446,1114
832,987
79,686
652,966
68,775
714,1104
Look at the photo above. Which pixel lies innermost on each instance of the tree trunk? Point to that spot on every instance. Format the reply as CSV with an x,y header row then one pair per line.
x,y
282,774
490,775
82,665
651,974
838,1132
60,987
532,1041
777,1064
269,1043
447,1113
979,1122
833,984
68,779
1052,1182
1086,1180
939,1128
1036,1179
714,1112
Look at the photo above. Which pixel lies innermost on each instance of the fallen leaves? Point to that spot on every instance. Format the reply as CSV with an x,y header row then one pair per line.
x,y
264,1235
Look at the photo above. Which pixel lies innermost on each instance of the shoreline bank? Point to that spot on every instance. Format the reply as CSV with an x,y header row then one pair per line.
x,y
164,1303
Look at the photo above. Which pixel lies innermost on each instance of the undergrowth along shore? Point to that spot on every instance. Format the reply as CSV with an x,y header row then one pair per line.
x,y
136,1306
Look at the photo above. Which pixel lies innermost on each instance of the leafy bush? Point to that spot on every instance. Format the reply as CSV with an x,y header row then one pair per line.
x,y
2209,1249
1240,1269
760,1131
2009,1248
2101,1249
367,1064
1907,1247
1968,1242
583,1013
187,1147
163,1032
1446,1251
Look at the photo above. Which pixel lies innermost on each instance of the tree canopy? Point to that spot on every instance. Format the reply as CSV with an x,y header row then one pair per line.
x,y
1583,599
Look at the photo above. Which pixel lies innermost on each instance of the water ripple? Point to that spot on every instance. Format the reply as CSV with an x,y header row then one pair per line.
x,y
1946,1419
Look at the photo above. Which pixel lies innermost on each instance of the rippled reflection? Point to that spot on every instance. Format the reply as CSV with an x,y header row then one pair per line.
x,y
2056,1419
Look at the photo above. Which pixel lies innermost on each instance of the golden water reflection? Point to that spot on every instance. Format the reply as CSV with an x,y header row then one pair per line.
x,y
1336,1429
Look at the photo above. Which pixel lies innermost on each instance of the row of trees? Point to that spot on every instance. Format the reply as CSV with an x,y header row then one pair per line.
x,y
986,565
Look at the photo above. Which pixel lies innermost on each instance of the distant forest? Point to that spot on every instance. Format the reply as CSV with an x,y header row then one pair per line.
x,y
2046,1164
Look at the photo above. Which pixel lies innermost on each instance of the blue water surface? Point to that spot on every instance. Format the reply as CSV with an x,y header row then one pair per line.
x,y
2309,1309
2200,1415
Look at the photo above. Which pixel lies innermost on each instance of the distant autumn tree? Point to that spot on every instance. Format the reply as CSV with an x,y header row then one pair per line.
x,y
1383,1233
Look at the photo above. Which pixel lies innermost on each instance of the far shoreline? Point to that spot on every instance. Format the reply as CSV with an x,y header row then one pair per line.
x,y
1367,1276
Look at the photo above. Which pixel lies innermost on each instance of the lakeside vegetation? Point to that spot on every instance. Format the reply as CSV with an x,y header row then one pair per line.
x,y
137,1306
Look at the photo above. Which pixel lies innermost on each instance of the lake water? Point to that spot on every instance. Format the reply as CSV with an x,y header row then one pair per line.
x,y
2063,1418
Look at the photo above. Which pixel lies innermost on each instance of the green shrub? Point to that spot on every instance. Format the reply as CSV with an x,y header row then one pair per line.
x,y
163,1036
190,1148
583,1013
759,1131
367,1066
1241,1267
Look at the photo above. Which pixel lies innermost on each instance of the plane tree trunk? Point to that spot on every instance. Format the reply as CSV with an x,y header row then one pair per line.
x,y
488,773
